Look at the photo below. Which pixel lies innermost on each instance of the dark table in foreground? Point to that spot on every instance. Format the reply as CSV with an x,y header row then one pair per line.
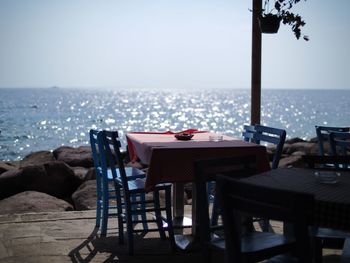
x,y
332,201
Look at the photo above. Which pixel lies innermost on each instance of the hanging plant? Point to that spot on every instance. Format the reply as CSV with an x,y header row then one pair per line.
x,y
275,11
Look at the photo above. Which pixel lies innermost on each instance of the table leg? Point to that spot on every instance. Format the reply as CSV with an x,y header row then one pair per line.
x,y
184,242
179,221
178,199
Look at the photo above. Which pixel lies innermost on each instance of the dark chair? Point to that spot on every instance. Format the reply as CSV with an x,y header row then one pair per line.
x,y
130,187
204,171
106,205
327,237
239,199
322,133
259,133
340,143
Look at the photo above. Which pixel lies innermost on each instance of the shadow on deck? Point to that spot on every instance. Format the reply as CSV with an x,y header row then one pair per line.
x,y
72,237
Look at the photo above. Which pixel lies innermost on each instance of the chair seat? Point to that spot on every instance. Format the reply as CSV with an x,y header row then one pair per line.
x,y
138,185
131,172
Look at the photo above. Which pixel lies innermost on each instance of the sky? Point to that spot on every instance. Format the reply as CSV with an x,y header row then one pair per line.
x,y
191,44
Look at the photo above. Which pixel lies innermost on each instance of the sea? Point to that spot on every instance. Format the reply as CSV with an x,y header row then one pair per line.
x,y
35,119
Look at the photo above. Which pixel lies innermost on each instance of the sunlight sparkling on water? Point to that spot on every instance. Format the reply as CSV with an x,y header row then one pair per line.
x,y
44,119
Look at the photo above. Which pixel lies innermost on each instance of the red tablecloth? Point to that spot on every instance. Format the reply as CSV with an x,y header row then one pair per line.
x,y
171,160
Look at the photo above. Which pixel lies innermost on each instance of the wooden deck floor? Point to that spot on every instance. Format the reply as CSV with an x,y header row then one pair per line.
x,y
70,237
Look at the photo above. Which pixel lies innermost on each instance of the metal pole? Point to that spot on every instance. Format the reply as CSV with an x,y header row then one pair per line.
x,y
256,64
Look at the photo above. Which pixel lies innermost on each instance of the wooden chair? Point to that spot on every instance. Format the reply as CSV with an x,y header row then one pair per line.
x,y
105,187
238,198
327,237
340,143
248,133
322,133
259,133
130,187
204,171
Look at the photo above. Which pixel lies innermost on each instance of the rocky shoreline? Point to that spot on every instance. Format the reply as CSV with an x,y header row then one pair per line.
x,y
64,179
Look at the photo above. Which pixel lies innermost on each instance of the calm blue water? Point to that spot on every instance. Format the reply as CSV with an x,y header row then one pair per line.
x,y
44,119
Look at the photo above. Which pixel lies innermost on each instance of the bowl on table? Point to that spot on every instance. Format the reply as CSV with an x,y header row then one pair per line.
x,y
183,136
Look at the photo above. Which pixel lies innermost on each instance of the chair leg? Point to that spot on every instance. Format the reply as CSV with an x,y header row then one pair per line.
x,y
130,232
318,250
143,208
105,212
215,213
98,213
120,215
158,214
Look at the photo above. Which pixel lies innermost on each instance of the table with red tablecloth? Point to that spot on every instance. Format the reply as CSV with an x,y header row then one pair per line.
x,y
172,160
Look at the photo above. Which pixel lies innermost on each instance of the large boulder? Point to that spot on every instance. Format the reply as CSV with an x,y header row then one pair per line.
x,y
54,178
294,140
37,158
84,198
31,201
306,147
80,156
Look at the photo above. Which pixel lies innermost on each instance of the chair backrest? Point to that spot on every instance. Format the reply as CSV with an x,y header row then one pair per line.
x,y
95,149
259,133
207,170
112,157
238,198
322,133
248,133
340,143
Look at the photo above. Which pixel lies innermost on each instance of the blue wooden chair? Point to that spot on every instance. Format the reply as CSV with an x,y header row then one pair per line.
x,y
260,134
248,132
240,199
256,134
340,143
129,187
105,188
322,133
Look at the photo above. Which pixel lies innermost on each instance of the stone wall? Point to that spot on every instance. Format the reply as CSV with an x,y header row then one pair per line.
x,y
64,179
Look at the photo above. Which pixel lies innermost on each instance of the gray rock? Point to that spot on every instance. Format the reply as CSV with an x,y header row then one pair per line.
x,y
81,173
80,156
84,198
37,158
306,147
31,201
53,178
294,140
91,175
295,161
6,166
